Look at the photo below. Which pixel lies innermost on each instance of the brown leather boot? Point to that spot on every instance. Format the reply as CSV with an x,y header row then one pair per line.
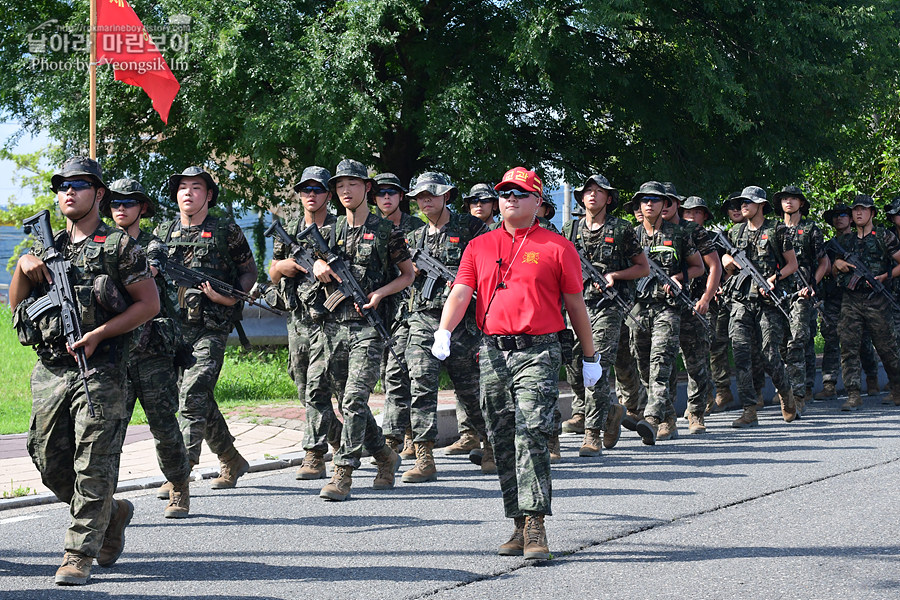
x,y
788,407
647,429
515,546
76,569
696,424
747,418
613,429
854,401
165,491
872,386
667,430
114,538
424,469
724,397
828,391
387,462
409,449
468,441
590,446
535,538
575,424
631,419
338,489
488,464
179,505
555,452
395,443
231,466
313,466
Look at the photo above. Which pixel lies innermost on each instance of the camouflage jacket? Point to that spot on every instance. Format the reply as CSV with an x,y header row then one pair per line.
x,y
609,248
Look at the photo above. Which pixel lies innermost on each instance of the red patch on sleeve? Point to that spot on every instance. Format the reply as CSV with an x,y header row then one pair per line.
x,y
609,240
765,236
453,240
368,236
873,232
99,238
667,242
206,234
800,232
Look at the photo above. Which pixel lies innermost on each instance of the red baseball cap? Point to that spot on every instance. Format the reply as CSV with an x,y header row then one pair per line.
x,y
523,179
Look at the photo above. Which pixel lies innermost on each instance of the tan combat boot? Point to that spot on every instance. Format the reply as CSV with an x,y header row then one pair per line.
x,y
696,424
591,444
575,424
395,443
313,466
667,430
114,538
555,451
488,464
788,407
724,397
613,429
409,448
468,441
338,489
165,491
631,419
516,544
647,429
872,386
424,469
231,466
854,401
535,538
800,405
387,462
179,505
76,569
829,390
747,418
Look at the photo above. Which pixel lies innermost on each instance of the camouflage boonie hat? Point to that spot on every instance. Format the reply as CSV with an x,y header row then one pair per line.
x,y
839,209
75,166
603,182
436,184
127,189
731,202
756,195
481,190
389,180
893,208
551,207
697,202
175,180
648,189
671,192
863,200
320,175
790,190
349,168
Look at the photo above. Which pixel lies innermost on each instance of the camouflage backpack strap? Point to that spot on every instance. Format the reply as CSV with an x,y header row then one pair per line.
x,y
382,241
111,255
220,235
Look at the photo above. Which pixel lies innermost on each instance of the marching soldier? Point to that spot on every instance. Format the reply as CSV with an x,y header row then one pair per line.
x,y
482,203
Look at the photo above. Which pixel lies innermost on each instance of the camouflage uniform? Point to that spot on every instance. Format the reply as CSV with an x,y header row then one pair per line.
x,y
609,248
213,247
348,344
446,247
629,387
754,318
76,454
831,295
860,312
655,347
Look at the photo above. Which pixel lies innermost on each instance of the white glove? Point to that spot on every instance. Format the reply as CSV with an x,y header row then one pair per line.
x,y
441,346
591,372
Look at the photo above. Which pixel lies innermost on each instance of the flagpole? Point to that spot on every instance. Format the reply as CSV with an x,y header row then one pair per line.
x,y
93,78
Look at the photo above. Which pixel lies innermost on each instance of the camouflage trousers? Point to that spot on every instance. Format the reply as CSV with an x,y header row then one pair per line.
x,y
797,343
831,354
352,350
200,416
720,368
606,325
654,349
858,314
153,379
78,455
299,335
629,388
754,323
425,370
395,379
694,342
519,394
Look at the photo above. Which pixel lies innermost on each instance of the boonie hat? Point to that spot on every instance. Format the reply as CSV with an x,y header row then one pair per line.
x,y
604,184
839,208
791,190
893,208
389,180
650,189
697,202
127,189
175,180
78,165
756,195
863,200
436,184
320,175
350,168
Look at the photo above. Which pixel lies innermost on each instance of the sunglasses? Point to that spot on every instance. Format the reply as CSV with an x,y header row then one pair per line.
x,y
312,189
77,185
387,192
114,204
485,200
506,194
651,199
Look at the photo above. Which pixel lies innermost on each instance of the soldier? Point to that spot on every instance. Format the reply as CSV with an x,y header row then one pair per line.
x,y
216,246
76,445
305,301
861,309
152,368
482,203
520,272
656,346
831,295
371,247
610,245
693,338
445,238
768,246
806,237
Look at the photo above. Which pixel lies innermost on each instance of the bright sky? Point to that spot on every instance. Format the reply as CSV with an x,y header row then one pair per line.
x,y
26,144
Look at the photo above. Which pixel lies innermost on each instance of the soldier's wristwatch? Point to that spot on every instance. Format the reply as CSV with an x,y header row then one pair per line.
x,y
591,359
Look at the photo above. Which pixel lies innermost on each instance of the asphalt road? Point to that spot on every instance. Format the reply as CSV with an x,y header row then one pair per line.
x,y
801,510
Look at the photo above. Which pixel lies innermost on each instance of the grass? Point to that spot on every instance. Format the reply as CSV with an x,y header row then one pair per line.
x,y
15,370
17,492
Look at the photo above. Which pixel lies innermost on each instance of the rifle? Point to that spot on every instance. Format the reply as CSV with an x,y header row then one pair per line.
x,y
301,254
779,297
590,273
59,294
348,287
434,271
185,277
677,290
862,273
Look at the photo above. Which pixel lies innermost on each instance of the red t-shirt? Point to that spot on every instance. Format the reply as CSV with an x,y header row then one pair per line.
x,y
535,274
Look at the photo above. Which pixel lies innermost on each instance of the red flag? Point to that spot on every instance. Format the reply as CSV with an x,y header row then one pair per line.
x,y
123,42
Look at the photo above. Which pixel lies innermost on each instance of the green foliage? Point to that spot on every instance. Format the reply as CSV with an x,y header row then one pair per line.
x,y
17,492
15,371
255,376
